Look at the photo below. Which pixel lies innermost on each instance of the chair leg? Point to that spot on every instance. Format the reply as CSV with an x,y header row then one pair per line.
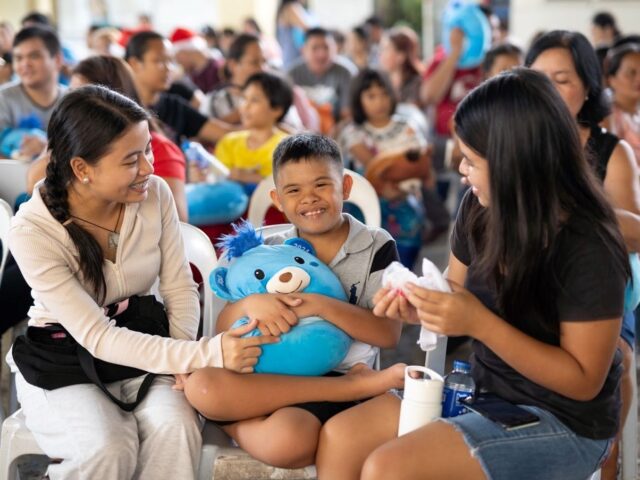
x,y
629,442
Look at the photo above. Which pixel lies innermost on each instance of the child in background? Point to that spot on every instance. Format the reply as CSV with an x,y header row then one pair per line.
x,y
374,131
503,56
248,153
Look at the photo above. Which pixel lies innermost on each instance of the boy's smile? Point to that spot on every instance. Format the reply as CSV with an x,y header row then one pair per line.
x,y
311,193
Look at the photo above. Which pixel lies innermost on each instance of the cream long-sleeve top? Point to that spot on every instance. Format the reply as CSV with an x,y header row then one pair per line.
x,y
150,247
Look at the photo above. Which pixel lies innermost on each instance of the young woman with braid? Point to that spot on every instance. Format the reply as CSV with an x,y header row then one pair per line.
x,y
99,229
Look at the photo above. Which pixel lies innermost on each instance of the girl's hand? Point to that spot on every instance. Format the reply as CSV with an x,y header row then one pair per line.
x,y
391,304
241,354
181,379
452,314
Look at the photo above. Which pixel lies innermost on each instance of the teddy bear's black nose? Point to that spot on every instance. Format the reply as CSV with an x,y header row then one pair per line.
x,y
285,277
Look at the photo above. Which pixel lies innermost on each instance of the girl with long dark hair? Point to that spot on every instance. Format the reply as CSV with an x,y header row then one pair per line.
x,y
98,230
570,62
538,269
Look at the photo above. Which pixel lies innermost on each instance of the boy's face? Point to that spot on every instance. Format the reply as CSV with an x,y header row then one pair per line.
x,y
154,70
255,109
310,193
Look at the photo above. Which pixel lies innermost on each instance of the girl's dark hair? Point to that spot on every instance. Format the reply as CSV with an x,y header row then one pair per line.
x,y
363,81
115,74
85,124
517,236
616,55
606,20
360,32
238,48
112,72
597,106
276,89
495,52
405,41
139,44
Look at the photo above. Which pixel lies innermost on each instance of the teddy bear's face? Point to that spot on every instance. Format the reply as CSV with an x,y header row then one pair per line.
x,y
285,268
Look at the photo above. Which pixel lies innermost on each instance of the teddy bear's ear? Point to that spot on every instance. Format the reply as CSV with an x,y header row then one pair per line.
x,y
301,244
218,283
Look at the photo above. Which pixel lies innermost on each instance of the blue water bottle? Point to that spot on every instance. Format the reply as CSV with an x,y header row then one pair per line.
x,y
457,385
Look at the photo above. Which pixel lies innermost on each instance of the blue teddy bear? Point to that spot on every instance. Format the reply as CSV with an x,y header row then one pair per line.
x,y
312,347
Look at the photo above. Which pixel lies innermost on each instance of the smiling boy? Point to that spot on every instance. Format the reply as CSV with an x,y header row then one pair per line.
x,y
284,426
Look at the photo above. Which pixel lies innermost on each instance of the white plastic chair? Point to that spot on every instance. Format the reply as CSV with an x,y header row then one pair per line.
x,y
13,180
362,195
6,212
202,255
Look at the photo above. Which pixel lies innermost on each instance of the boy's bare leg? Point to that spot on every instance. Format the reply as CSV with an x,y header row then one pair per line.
x,y
349,437
288,438
220,394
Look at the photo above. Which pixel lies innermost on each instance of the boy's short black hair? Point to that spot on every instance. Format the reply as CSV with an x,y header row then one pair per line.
x,y
138,44
306,146
276,89
46,34
36,18
317,32
495,52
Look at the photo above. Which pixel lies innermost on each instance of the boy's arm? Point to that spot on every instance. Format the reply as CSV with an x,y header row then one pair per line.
x,y
272,311
360,323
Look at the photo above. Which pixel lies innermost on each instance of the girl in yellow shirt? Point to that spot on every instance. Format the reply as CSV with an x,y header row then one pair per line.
x,y
248,153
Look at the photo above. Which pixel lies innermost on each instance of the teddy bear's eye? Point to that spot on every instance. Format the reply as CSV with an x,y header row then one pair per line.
x,y
259,274
300,260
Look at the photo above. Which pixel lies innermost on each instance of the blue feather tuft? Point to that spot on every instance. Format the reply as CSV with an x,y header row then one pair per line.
x,y
244,238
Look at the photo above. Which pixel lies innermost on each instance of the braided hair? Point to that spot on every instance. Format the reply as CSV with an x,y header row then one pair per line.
x,y
85,124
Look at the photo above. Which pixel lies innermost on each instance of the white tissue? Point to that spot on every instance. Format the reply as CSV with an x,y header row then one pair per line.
x,y
397,275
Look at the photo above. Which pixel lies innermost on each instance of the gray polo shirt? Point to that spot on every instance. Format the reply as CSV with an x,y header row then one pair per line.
x,y
332,87
15,105
359,264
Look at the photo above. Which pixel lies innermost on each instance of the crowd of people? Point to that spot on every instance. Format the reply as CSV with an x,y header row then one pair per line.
x,y
546,142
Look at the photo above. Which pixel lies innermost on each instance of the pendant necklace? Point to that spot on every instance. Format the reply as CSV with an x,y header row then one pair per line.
x,y
114,237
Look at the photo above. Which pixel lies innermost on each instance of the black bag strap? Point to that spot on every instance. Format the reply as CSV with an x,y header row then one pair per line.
x,y
87,362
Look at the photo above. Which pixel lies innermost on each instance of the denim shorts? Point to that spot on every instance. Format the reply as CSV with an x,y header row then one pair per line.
x,y
546,451
628,330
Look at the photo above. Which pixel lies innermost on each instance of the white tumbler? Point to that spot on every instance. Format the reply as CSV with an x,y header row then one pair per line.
x,y
422,400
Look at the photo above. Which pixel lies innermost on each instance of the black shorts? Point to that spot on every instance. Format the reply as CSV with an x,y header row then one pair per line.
x,y
323,411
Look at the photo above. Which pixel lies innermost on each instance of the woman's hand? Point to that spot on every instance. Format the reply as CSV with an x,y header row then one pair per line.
x,y
241,354
273,311
391,304
452,314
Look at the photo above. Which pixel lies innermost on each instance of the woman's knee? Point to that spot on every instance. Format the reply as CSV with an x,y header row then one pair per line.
x,y
378,466
109,446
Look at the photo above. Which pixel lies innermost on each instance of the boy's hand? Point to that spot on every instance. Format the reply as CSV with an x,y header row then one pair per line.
x,y
273,312
310,304
241,354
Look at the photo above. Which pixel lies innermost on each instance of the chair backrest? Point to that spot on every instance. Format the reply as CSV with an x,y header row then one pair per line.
x,y
6,212
13,180
202,255
363,195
